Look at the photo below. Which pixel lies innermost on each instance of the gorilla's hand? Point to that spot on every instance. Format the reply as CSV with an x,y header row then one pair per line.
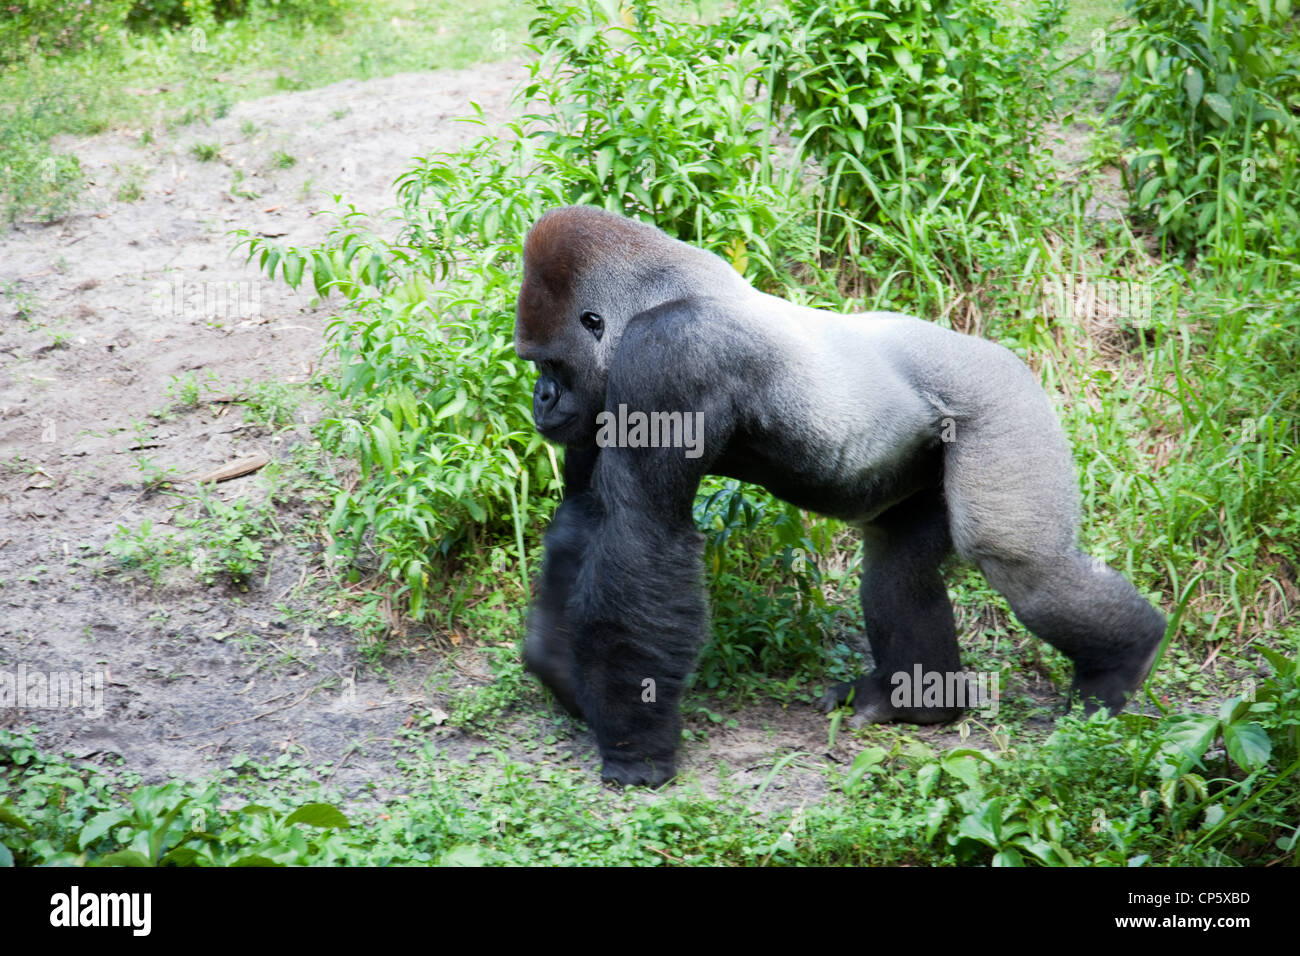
x,y
645,772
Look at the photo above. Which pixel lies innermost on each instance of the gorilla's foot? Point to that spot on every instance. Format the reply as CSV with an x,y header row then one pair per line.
x,y
872,703
1110,687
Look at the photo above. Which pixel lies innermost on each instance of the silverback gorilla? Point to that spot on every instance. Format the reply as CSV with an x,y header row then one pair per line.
x,y
927,439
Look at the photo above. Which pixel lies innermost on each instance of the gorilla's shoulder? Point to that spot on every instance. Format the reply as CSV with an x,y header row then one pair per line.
x,y
682,323
698,342
686,310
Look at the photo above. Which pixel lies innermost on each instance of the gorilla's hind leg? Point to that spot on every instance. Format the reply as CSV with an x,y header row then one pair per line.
x,y
908,615
1092,614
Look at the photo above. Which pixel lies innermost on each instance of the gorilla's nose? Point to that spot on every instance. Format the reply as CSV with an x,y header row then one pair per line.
x,y
545,394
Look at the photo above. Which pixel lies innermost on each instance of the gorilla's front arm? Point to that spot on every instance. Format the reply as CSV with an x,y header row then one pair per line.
x,y
621,612
613,632
639,617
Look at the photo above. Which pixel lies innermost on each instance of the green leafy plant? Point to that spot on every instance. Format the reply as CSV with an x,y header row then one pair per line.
x,y
984,819
141,548
922,116
55,27
227,538
34,179
653,116
1208,104
1187,737
155,14
770,609
223,541
186,390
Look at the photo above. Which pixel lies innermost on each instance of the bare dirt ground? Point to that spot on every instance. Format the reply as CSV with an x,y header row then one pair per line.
x,y
110,306
114,303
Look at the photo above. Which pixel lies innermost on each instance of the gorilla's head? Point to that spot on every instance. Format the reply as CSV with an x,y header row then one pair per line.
x,y
586,273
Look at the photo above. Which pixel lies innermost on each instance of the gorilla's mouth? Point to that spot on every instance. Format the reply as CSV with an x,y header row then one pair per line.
x,y
553,428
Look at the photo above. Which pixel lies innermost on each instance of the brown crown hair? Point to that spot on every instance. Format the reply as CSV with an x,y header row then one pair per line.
x,y
564,245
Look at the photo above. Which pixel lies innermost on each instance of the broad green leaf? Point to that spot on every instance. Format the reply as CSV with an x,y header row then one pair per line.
x,y
321,273
383,446
318,815
1147,194
463,856
293,265
1042,851
1187,737
123,858
871,757
926,778
1220,106
1248,745
98,825
964,768
1194,84
1234,708
985,824
935,814
453,407
10,818
604,162
270,259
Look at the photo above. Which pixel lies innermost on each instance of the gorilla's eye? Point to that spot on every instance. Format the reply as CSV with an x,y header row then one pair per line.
x,y
593,323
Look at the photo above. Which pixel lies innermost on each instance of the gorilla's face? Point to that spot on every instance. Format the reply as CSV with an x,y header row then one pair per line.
x,y
567,325
572,362
587,272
